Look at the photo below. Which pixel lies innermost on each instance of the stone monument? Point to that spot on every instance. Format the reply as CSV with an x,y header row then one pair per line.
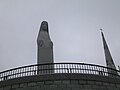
x,y
45,45
45,50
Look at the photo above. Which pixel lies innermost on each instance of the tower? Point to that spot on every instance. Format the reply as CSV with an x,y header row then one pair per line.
x,y
45,45
60,76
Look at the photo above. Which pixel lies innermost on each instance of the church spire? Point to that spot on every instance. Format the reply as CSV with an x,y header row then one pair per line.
x,y
108,57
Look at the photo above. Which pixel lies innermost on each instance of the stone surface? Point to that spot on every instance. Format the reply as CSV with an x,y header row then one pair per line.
x,y
71,82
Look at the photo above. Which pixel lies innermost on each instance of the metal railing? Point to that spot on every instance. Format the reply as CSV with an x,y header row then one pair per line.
x,y
58,68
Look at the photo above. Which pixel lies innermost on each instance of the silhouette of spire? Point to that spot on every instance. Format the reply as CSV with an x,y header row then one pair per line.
x,y
108,57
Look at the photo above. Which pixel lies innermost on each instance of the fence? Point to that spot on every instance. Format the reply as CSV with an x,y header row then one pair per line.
x,y
58,68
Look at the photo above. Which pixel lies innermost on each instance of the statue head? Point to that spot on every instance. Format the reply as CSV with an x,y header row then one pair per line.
x,y
44,26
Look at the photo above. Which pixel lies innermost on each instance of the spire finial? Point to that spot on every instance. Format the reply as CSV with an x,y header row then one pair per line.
x,y
101,29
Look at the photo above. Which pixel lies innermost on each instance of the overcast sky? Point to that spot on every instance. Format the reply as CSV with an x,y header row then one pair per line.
x,y
73,25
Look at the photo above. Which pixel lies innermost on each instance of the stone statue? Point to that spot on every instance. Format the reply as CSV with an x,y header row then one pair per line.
x,y
45,50
45,45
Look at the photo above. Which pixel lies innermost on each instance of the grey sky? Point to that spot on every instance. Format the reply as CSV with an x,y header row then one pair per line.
x,y
74,29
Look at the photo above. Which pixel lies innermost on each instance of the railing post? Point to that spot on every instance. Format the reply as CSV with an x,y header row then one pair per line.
x,y
5,77
119,68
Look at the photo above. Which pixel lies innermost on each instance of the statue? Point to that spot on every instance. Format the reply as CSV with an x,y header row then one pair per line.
x,y
45,48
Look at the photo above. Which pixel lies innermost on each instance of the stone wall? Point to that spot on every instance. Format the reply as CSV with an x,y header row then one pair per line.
x,y
62,82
